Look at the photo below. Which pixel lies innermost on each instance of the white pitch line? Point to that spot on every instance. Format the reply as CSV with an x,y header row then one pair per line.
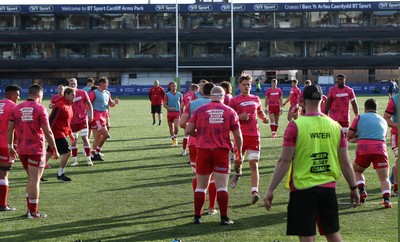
x,y
366,203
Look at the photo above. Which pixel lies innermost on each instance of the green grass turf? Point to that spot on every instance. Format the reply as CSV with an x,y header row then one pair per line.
x,y
142,192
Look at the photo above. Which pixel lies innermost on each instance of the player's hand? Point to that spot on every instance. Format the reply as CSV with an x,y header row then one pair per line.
x,y
354,198
55,153
266,120
281,111
266,111
269,196
116,100
12,153
244,116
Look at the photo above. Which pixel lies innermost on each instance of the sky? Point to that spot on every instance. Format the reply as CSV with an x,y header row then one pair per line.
x,y
18,2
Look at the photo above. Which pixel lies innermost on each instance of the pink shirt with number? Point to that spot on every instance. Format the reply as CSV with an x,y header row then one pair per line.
x,y
250,104
340,103
28,118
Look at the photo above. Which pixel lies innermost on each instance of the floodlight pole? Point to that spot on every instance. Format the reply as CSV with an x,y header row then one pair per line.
x,y
232,78
177,80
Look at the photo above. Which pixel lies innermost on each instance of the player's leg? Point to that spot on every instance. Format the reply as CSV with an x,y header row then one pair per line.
x,y
383,175
212,196
255,177
360,179
221,169
159,113
5,167
35,171
276,122
74,149
203,174
272,123
153,114
176,129
86,145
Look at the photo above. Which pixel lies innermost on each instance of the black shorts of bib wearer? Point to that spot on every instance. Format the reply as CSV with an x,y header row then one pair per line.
x,y
306,208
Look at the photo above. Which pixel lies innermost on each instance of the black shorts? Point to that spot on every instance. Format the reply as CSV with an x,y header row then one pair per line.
x,y
313,206
62,146
155,108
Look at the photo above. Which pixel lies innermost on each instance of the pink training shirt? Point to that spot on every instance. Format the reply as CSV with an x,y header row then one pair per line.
x,y
274,96
188,98
227,98
391,108
340,103
79,107
213,122
295,96
28,117
6,107
250,104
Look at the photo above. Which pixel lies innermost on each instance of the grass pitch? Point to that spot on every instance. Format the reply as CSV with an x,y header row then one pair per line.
x,y
142,192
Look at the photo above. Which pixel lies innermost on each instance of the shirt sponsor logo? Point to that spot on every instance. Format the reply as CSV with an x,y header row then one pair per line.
x,y
216,116
274,93
248,103
27,114
2,108
320,162
342,95
77,98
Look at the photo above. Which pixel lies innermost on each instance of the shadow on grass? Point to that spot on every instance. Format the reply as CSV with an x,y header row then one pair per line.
x,y
190,230
93,225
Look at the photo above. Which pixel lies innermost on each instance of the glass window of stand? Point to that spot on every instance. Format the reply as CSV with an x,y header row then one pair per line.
x,y
353,48
140,50
165,20
9,22
386,18
38,21
105,50
37,51
386,48
287,19
72,22
139,20
321,48
285,49
255,20
321,19
205,20
209,50
251,49
354,19
166,50
9,51
72,51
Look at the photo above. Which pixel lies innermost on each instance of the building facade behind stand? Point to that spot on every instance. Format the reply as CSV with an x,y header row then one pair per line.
x,y
135,44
